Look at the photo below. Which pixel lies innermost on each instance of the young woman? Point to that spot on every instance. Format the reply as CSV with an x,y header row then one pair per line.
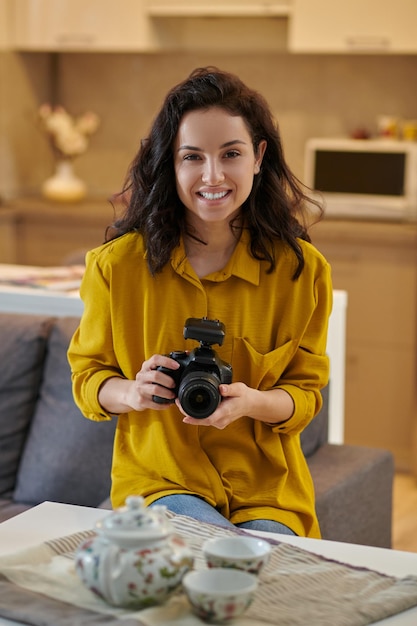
x,y
213,228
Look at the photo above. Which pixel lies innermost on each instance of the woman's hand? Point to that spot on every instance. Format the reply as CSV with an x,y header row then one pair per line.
x,y
232,407
239,400
118,395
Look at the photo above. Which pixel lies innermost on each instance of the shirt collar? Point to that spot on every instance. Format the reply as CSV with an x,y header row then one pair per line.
x,y
241,264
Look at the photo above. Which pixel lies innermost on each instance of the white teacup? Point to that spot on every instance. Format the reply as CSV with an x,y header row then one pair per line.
x,y
250,554
219,595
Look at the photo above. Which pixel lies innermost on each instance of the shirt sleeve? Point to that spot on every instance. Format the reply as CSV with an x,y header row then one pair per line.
x,y
91,354
308,370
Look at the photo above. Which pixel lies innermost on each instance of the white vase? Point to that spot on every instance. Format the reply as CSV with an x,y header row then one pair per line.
x,y
64,185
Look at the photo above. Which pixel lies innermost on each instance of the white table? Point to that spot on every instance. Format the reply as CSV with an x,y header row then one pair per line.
x,y
51,520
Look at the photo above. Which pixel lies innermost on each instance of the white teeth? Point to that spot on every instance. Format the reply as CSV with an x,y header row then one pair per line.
x,y
213,196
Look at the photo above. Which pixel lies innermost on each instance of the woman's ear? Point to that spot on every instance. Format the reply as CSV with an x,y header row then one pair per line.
x,y
260,155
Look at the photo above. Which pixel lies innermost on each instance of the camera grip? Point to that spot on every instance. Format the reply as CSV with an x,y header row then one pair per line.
x,y
160,400
170,372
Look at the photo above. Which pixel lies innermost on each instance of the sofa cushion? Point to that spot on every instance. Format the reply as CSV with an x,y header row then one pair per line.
x,y
22,354
353,486
67,458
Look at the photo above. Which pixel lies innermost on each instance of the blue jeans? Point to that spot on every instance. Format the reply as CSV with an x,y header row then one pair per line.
x,y
199,509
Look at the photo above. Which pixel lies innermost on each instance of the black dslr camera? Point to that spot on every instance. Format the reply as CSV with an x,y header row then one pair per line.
x,y
201,371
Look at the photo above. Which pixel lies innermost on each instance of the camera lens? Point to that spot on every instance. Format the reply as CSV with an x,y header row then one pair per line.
x,y
198,394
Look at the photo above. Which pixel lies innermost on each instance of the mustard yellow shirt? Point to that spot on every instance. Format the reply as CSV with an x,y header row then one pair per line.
x,y
276,331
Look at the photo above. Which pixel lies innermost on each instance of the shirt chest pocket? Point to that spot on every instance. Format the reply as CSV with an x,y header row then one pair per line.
x,y
260,371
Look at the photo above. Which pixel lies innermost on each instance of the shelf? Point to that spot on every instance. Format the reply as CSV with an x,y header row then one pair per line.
x,y
165,8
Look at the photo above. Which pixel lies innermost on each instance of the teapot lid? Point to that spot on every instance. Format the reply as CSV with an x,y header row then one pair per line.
x,y
135,521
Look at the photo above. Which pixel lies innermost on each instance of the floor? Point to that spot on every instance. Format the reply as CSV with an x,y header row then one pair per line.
x,y
404,533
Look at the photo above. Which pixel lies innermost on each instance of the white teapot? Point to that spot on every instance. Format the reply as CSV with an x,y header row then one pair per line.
x,y
136,559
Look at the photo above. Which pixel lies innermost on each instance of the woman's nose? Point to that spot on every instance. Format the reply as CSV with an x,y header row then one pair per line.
x,y
212,172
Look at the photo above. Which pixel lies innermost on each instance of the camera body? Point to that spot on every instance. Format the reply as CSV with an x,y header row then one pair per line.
x,y
201,371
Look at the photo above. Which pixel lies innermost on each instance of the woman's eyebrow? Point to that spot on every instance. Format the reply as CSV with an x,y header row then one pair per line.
x,y
224,145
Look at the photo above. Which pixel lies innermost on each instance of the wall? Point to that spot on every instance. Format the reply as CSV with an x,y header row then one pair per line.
x,y
24,153
310,95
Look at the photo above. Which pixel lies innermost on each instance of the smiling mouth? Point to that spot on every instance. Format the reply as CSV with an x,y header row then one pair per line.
x,y
213,196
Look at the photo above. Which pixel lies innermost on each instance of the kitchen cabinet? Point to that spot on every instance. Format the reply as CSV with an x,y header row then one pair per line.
x,y
220,25
213,8
40,232
376,263
354,26
141,26
77,25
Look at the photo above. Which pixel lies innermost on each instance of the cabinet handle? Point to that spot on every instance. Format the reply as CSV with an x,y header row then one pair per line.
x,y
368,43
74,39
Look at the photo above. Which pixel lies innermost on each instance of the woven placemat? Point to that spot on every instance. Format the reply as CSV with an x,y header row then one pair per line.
x,y
296,588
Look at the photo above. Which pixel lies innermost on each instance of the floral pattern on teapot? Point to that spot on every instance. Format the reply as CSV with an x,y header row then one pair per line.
x,y
136,560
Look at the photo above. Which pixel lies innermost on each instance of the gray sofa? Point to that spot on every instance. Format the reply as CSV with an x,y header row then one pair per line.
x,y
49,451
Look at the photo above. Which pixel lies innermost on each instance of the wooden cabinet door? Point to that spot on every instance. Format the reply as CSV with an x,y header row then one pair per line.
x,y
80,25
353,26
376,263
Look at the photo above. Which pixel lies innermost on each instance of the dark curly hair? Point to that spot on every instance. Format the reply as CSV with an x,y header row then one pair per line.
x,y
276,206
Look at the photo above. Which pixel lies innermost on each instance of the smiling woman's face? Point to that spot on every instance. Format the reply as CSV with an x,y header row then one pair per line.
x,y
214,164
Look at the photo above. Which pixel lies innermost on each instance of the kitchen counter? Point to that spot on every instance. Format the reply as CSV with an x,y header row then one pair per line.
x,y
34,231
